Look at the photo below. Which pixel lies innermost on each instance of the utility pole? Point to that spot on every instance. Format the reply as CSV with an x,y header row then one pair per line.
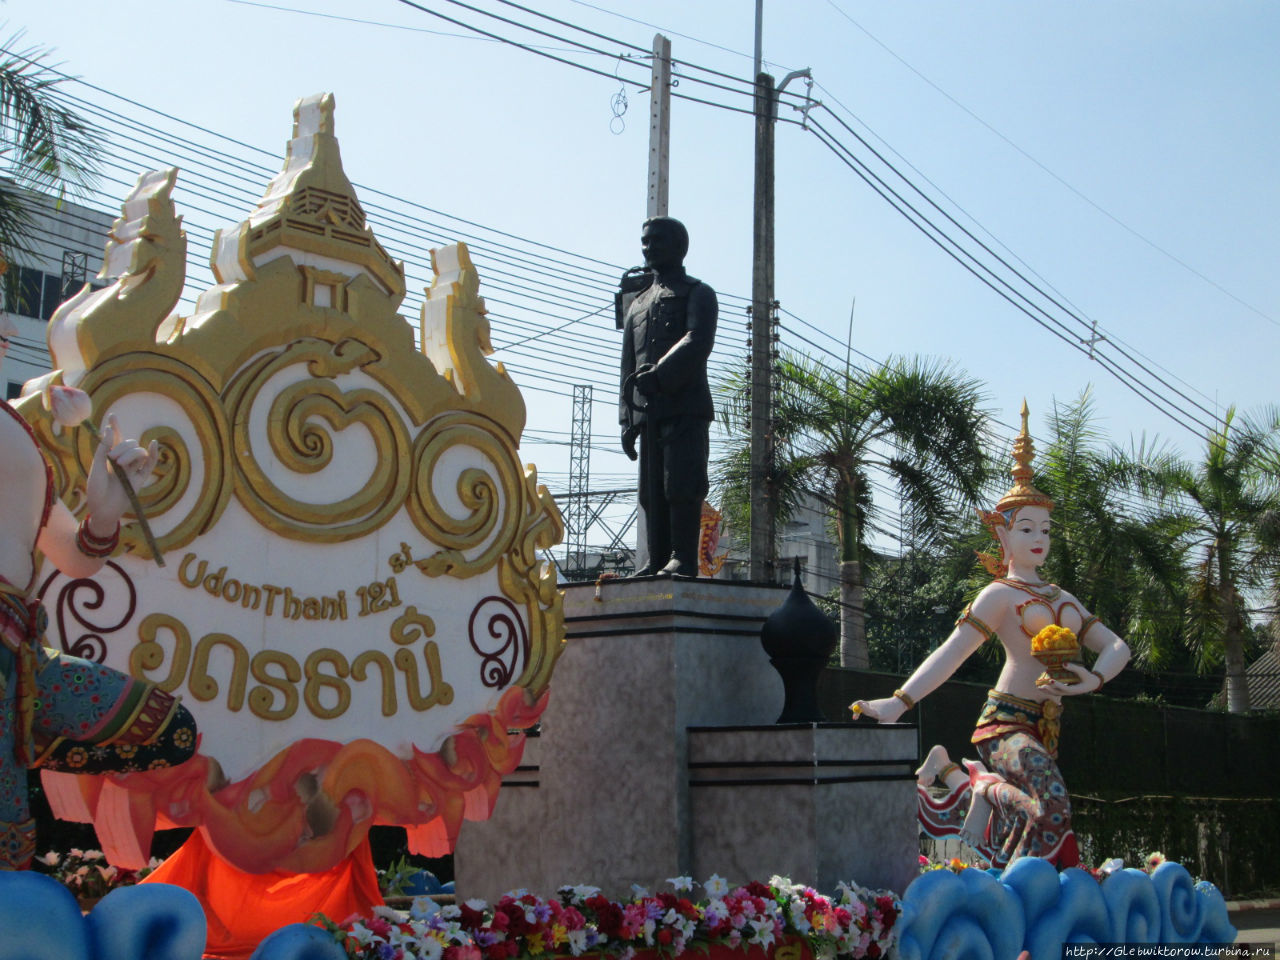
x,y
659,127
763,508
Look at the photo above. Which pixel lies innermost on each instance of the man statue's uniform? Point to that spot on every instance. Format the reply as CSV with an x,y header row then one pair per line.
x,y
666,402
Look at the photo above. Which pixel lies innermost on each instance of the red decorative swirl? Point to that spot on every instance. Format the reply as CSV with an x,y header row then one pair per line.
x,y
70,608
497,667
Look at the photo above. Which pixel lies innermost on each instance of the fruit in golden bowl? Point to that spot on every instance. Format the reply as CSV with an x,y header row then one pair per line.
x,y
1054,646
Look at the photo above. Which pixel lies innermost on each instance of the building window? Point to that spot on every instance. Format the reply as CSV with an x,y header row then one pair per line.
x,y
30,292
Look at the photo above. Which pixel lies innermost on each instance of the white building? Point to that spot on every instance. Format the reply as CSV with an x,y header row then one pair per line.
x,y
65,244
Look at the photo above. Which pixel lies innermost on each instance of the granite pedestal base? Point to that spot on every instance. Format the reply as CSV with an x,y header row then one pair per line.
x,y
658,757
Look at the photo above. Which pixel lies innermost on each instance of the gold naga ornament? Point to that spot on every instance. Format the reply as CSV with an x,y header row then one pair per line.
x,y
353,606
1023,493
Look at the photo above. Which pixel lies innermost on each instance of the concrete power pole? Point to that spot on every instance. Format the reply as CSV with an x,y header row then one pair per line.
x,y
659,127
763,508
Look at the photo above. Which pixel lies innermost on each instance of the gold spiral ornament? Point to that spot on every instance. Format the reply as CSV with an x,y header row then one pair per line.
x,y
301,423
490,495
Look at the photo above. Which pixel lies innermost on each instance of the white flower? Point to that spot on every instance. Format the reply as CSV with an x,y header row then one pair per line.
x,y
385,912
681,883
70,406
584,892
430,949
478,904
716,886
638,891
76,852
763,935
91,855
577,942
451,912
50,859
361,933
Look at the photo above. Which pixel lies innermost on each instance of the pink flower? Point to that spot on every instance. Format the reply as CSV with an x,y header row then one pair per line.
x,y
69,405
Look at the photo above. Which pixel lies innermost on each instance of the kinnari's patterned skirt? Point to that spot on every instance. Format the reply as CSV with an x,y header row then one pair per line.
x,y
1031,810
63,713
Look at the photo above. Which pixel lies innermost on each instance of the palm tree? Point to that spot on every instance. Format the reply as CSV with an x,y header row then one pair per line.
x,y
1125,565
45,147
915,421
1227,510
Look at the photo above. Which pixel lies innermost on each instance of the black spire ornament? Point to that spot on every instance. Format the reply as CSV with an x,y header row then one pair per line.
x,y
799,638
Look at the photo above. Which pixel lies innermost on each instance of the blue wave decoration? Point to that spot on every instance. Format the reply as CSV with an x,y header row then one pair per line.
x,y
299,941
156,920
40,918
1133,907
1034,907
966,916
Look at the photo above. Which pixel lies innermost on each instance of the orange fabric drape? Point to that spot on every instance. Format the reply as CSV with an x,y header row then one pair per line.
x,y
242,909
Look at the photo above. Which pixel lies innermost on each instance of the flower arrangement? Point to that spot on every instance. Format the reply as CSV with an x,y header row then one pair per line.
x,y
1053,646
1099,873
520,926
87,874
955,864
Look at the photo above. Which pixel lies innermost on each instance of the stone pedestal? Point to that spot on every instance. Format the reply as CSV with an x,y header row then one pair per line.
x,y
820,803
657,757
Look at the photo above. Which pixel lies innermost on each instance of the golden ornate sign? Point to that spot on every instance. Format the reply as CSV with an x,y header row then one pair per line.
x,y
354,608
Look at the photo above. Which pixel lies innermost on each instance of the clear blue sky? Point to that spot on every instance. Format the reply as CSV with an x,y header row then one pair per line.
x,y
1082,136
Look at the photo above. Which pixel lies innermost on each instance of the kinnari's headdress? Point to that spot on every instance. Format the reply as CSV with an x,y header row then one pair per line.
x,y
1022,494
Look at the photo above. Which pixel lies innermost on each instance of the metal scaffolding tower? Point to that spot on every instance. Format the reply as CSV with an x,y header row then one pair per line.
x,y
577,514
75,268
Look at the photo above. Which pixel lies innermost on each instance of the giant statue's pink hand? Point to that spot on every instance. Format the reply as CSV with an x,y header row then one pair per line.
x,y
1089,682
104,494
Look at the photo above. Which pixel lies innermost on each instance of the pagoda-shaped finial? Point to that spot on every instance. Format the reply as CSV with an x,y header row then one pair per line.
x,y
1023,493
310,207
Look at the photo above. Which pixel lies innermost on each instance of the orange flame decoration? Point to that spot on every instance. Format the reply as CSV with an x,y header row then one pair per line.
x,y
708,539
272,821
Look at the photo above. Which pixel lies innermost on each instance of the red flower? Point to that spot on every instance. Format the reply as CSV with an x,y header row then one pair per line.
x,y
471,918
887,914
758,889
664,936
873,951
609,916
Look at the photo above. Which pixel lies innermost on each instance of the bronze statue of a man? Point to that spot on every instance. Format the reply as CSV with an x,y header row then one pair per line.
x,y
665,400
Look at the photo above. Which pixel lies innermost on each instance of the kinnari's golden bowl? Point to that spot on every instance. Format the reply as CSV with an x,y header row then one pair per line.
x,y
1054,661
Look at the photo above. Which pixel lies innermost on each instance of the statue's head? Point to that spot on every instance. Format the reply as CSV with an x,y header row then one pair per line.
x,y
1020,521
664,242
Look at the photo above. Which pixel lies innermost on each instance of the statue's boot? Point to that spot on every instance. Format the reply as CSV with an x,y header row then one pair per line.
x,y
658,540
686,521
